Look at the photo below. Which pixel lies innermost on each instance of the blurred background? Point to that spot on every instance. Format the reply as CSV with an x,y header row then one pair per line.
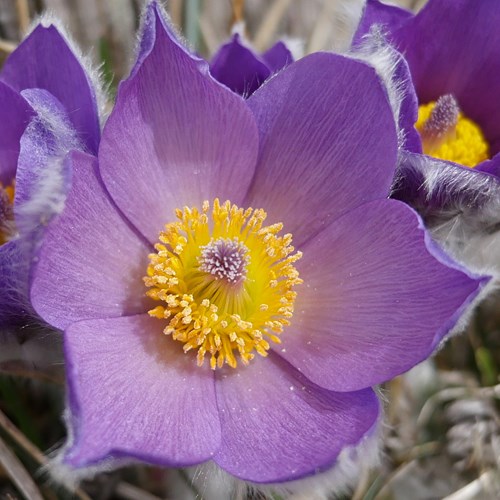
x,y
107,28
442,432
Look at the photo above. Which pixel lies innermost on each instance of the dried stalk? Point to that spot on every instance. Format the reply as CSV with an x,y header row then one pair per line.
x,y
323,27
270,24
23,15
19,438
238,7
6,46
18,473
175,11
485,484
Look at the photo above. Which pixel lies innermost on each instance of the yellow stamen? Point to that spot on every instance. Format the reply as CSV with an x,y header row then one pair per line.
x,y
6,214
226,282
460,140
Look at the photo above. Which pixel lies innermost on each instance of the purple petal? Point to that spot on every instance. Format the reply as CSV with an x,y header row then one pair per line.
x,y
453,47
91,263
134,393
328,142
238,68
278,426
437,189
15,309
44,60
42,181
490,166
277,57
16,114
176,137
375,12
375,301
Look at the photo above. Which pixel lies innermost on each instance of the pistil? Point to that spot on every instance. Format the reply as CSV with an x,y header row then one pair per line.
x,y
449,135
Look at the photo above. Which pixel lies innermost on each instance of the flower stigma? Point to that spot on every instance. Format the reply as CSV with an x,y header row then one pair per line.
x,y
7,228
449,135
225,280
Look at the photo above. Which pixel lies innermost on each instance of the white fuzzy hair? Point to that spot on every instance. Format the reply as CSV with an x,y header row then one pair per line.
x,y
61,473
466,224
380,55
51,187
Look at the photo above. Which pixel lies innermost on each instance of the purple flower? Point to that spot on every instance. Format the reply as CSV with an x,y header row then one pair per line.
x,y
452,48
197,330
47,107
242,70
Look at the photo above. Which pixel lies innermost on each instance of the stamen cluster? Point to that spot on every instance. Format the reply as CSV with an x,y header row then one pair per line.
x,y
226,282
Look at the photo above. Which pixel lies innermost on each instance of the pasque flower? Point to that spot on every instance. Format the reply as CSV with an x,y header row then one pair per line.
x,y
48,106
238,67
230,276
452,48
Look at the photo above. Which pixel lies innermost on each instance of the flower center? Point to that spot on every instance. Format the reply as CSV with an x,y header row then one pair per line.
x,y
225,280
449,135
7,228
225,259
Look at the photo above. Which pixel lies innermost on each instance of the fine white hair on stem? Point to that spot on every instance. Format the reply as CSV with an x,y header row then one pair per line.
x,y
375,51
94,74
213,483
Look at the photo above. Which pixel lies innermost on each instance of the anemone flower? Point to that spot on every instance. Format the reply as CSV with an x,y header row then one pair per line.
x,y
229,274
238,67
48,106
452,48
